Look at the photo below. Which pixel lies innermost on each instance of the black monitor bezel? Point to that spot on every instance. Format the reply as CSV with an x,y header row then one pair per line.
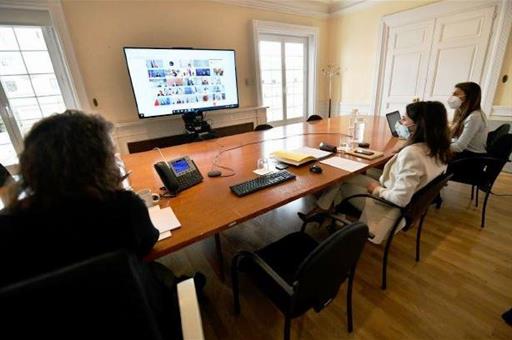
x,y
392,128
212,108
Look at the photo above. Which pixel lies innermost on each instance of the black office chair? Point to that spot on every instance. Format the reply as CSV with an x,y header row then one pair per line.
x,y
298,274
102,297
263,127
313,118
485,169
468,172
492,136
414,214
4,175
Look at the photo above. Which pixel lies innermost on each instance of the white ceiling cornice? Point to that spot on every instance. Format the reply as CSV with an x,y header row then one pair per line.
x,y
320,9
314,9
340,7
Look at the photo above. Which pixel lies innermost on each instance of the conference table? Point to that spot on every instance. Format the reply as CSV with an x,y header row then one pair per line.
x,y
210,207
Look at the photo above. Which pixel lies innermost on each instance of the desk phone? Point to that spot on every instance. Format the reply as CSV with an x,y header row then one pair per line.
x,y
179,174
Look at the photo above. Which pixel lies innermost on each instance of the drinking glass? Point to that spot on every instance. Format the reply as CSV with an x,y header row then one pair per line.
x,y
262,164
345,143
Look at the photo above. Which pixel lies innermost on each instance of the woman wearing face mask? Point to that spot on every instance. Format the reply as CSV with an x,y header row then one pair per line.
x,y
469,125
422,159
403,127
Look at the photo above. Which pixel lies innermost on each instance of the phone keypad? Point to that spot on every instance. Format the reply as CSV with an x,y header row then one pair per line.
x,y
187,180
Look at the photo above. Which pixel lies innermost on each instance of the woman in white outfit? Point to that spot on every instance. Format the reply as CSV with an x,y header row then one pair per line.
x,y
469,125
468,131
422,159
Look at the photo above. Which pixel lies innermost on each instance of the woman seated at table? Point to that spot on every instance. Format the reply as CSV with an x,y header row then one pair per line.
x,y
423,158
69,206
469,125
468,131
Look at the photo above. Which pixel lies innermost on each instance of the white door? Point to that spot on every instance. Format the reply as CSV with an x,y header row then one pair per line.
x,y
283,74
407,61
459,51
427,58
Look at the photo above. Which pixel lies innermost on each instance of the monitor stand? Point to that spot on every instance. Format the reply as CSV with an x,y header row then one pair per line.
x,y
197,128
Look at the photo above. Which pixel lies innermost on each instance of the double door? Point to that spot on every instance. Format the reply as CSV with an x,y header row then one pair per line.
x,y
283,77
426,59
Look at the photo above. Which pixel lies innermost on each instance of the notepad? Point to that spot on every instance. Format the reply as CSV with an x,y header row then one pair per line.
x,y
164,220
299,156
344,164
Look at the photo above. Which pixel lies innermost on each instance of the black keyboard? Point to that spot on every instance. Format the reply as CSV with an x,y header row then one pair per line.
x,y
261,182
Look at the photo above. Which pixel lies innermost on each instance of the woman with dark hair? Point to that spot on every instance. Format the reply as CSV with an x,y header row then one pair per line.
x,y
469,125
69,206
423,158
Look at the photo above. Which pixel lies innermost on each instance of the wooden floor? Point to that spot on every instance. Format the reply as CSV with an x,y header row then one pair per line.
x,y
458,290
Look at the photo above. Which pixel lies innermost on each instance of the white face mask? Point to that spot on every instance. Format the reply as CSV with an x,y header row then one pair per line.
x,y
454,102
402,130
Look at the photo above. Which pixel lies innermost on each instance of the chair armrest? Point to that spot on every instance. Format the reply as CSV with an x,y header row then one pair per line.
x,y
191,325
267,269
391,204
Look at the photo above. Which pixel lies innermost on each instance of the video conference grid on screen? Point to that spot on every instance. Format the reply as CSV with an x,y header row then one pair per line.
x,y
173,81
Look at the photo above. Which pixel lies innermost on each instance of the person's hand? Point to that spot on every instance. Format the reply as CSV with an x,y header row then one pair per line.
x,y
372,186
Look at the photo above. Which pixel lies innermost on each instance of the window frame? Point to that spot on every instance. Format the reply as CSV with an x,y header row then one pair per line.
x,y
60,49
310,33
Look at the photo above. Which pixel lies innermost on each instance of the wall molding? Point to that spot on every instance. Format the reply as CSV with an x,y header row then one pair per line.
x,y
305,8
150,128
501,113
341,108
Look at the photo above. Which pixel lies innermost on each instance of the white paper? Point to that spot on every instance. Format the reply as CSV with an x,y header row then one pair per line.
x,y
344,164
261,172
163,219
163,235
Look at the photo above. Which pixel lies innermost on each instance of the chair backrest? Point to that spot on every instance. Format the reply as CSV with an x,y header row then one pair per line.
x,y
4,175
494,135
263,127
502,147
491,167
422,199
320,275
99,298
313,118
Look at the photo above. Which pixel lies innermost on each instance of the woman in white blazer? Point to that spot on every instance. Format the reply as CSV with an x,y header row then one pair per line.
x,y
422,159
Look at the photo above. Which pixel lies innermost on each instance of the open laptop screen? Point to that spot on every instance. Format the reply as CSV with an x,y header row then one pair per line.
x,y
392,118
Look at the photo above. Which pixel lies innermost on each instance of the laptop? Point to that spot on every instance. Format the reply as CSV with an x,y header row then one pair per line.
x,y
392,118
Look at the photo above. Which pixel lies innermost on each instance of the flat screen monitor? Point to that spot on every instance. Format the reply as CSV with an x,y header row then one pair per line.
x,y
169,81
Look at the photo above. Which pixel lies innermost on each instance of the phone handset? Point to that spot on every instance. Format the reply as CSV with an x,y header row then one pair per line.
x,y
168,179
179,174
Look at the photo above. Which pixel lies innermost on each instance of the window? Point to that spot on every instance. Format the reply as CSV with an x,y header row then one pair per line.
x,y
33,84
286,60
283,70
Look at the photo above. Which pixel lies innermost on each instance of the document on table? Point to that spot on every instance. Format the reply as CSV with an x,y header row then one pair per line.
x,y
300,156
344,164
164,220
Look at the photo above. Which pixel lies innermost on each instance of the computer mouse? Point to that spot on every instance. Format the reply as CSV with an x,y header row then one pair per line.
x,y
214,173
316,169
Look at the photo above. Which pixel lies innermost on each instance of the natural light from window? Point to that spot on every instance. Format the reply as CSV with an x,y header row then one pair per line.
x,y
28,80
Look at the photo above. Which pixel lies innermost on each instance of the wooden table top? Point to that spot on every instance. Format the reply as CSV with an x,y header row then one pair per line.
x,y
210,207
